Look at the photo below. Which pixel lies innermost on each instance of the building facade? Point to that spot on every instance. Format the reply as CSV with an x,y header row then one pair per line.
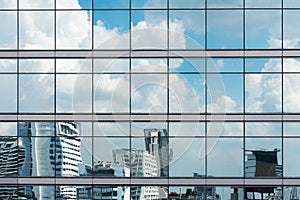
x,y
182,86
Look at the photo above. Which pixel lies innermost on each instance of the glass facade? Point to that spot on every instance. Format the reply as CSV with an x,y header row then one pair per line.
x,y
149,99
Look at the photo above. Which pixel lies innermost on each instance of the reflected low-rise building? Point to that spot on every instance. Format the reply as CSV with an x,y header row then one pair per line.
x,y
141,164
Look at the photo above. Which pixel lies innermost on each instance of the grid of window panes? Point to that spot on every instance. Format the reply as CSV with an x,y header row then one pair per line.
x,y
213,84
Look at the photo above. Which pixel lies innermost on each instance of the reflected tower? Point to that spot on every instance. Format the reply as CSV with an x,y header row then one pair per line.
x,y
157,144
50,149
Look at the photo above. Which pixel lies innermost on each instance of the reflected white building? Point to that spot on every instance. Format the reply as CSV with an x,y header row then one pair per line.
x,y
141,164
50,149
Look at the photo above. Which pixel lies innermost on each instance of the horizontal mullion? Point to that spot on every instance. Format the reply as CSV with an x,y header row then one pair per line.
x,y
200,53
153,117
148,181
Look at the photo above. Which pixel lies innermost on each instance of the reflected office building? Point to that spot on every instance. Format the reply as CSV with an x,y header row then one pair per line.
x,y
141,164
260,163
157,144
11,159
50,149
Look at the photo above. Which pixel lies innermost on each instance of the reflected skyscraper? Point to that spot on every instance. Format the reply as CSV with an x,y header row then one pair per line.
x,y
50,149
157,144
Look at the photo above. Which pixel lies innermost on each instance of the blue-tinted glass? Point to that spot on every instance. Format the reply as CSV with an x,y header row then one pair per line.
x,y
263,65
109,4
290,33
8,30
187,4
224,4
224,65
263,4
265,35
187,65
263,92
226,33
193,23
223,95
149,3
111,29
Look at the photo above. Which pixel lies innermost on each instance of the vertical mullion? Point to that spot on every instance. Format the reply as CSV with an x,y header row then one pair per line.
x,y
282,97
130,90
244,93
55,131
93,75
18,70
205,94
168,88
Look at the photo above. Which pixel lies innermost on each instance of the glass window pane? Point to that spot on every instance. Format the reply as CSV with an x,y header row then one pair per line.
x,y
36,93
229,164
267,154
186,129
111,29
291,89
187,65
263,65
263,129
111,129
225,4
223,95
224,65
36,65
36,30
8,92
263,92
111,65
8,65
291,4
187,4
8,129
9,163
8,30
73,65
291,65
149,93
149,65
291,129
142,129
111,93
36,4
226,33
186,93
149,4
290,33
73,93
149,29
232,129
155,153
291,163
80,4
193,36
116,149
187,150
68,34
108,4
263,4
267,34
8,4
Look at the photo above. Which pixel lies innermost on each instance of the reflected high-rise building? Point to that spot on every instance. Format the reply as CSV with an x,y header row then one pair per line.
x,y
50,149
11,159
157,144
